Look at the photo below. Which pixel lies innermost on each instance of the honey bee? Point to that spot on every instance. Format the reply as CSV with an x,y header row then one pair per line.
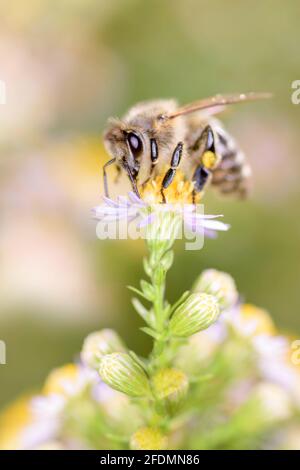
x,y
159,137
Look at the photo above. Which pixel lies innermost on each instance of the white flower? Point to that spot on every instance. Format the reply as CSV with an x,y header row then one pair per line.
x,y
46,420
272,362
47,406
270,347
274,400
113,403
134,209
47,410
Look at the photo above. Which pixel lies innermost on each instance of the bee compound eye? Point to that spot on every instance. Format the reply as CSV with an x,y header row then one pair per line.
x,y
135,143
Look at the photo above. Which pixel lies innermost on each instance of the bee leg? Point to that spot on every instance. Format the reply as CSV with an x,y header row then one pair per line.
x,y
200,179
117,177
205,141
209,159
154,158
169,176
105,183
206,146
153,153
131,178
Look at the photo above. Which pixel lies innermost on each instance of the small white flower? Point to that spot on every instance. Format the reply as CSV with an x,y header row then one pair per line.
x,y
48,406
86,377
135,210
274,400
47,413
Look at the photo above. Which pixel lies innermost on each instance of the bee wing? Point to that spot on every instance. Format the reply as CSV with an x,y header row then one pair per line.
x,y
218,101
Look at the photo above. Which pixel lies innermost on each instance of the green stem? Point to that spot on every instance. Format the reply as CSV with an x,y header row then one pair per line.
x,y
160,258
158,281
158,304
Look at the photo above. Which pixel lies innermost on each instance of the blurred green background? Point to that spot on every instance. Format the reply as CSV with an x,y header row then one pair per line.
x,y
68,65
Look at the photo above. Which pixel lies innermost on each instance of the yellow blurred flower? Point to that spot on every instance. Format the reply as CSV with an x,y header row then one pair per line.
x,y
60,379
13,419
260,318
148,439
80,175
170,387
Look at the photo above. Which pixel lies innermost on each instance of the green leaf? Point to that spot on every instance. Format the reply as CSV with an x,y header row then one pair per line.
x,y
180,300
159,274
150,332
167,260
137,291
138,360
147,267
166,311
201,378
115,437
141,310
147,289
154,259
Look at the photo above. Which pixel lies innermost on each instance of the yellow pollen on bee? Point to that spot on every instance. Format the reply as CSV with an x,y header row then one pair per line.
x,y
180,190
209,159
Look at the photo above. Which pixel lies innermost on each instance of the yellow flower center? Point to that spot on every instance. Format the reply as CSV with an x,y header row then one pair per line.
x,y
13,420
180,190
169,381
148,439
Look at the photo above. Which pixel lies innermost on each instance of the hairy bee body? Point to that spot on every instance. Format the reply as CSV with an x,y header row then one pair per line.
x,y
232,173
159,137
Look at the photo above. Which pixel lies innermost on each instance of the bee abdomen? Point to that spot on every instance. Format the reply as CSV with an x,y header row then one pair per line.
x,y
233,174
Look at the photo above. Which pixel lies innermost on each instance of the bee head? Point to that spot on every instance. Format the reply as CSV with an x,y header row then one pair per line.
x,y
124,144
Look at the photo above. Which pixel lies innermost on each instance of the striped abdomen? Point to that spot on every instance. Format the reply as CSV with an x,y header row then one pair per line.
x,y
233,174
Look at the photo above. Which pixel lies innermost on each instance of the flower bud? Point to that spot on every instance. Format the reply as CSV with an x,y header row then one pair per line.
x,y
197,313
148,439
170,387
220,285
121,372
98,344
